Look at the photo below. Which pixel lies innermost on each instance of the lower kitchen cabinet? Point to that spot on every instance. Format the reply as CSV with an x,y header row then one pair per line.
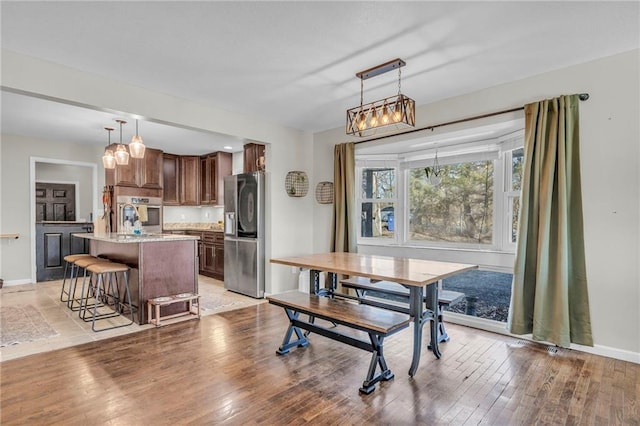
x,y
211,252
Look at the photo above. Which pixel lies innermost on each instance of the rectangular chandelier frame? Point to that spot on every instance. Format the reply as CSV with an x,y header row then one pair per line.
x,y
398,111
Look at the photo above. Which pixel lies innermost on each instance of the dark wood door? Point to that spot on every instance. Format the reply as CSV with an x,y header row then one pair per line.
x,y
152,167
171,179
206,164
53,242
252,154
55,202
190,180
218,261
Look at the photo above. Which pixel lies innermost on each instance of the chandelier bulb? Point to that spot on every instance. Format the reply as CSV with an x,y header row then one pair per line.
x,y
362,121
385,114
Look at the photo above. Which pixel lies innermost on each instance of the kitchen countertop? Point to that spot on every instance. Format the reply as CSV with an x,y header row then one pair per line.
x,y
132,238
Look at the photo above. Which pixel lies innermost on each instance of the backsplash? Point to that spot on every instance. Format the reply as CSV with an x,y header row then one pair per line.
x,y
200,226
184,214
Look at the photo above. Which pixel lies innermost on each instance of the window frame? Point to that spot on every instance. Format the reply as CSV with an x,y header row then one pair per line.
x,y
502,191
368,163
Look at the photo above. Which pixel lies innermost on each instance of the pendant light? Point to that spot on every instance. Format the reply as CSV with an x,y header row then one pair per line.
x,y
108,160
122,155
136,146
397,111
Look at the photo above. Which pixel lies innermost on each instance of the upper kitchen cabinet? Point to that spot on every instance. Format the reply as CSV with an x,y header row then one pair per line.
x,y
189,180
213,168
139,172
170,176
253,152
150,169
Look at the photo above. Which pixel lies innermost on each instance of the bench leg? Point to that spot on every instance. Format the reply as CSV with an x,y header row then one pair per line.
x,y
286,342
377,360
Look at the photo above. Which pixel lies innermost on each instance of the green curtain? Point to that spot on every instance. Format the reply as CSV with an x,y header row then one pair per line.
x,y
343,238
549,291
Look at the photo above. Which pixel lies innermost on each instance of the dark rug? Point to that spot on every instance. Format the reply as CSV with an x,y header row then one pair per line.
x,y
23,323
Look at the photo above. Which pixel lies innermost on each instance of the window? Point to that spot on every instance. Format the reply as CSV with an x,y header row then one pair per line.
x,y
377,200
515,160
458,210
475,205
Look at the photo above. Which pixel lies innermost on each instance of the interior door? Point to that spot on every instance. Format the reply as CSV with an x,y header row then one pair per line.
x,y
55,202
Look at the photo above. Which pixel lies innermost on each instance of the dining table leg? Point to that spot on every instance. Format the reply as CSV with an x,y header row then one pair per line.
x,y
432,306
416,312
419,316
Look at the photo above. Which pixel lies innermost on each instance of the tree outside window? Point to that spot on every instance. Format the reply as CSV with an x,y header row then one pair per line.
x,y
458,210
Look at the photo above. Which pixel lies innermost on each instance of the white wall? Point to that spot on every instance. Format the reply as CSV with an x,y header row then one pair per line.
x,y
288,220
610,141
77,175
15,192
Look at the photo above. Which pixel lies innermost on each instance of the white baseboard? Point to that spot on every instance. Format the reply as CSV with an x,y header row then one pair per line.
x,y
501,328
16,282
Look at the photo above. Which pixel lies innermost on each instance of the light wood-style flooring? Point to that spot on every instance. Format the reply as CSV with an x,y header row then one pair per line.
x,y
223,369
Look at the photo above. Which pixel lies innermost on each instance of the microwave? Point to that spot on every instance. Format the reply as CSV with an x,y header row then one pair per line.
x,y
146,209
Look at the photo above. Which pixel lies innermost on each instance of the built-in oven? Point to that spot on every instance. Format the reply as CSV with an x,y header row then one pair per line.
x,y
147,210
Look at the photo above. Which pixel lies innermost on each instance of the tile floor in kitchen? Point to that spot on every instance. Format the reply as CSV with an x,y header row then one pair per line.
x,y
71,330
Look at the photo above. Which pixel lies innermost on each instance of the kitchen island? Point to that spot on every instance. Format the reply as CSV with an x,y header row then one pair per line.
x,y
161,265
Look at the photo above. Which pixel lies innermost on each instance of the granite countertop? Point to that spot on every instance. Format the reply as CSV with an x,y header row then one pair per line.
x,y
200,226
132,238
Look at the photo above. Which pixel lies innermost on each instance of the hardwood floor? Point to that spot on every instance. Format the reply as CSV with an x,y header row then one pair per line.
x,y
223,369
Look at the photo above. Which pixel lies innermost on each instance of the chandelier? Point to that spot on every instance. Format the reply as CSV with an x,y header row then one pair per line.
x,y
398,110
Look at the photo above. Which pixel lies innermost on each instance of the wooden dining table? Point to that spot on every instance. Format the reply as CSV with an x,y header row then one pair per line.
x,y
420,276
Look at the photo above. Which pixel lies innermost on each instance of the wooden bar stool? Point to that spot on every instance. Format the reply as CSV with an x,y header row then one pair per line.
x,y
69,260
80,263
102,272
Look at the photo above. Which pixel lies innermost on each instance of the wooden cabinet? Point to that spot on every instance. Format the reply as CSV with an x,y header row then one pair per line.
x,y
212,255
170,176
252,153
213,168
189,180
139,172
150,169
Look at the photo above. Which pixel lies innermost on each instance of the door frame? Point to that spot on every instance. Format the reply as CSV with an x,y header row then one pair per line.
x,y
32,195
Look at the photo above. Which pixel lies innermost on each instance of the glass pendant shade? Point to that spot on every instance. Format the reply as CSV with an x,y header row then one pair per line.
x,y
122,156
108,160
136,147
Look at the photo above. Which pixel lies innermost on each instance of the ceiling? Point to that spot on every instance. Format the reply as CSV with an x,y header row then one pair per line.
x,y
293,63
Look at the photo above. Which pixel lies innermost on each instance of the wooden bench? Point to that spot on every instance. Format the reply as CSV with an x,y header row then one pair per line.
x,y
377,323
445,297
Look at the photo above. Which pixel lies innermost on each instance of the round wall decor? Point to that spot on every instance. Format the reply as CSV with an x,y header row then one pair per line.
x,y
324,192
296,183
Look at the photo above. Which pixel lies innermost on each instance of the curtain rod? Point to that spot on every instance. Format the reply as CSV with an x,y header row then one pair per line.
x,y
581,96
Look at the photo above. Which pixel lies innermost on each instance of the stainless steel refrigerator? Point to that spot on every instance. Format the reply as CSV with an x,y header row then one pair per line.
x,y
244,234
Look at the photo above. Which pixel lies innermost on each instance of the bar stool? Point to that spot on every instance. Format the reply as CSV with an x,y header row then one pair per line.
x,y
81,263
103,271
69,260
